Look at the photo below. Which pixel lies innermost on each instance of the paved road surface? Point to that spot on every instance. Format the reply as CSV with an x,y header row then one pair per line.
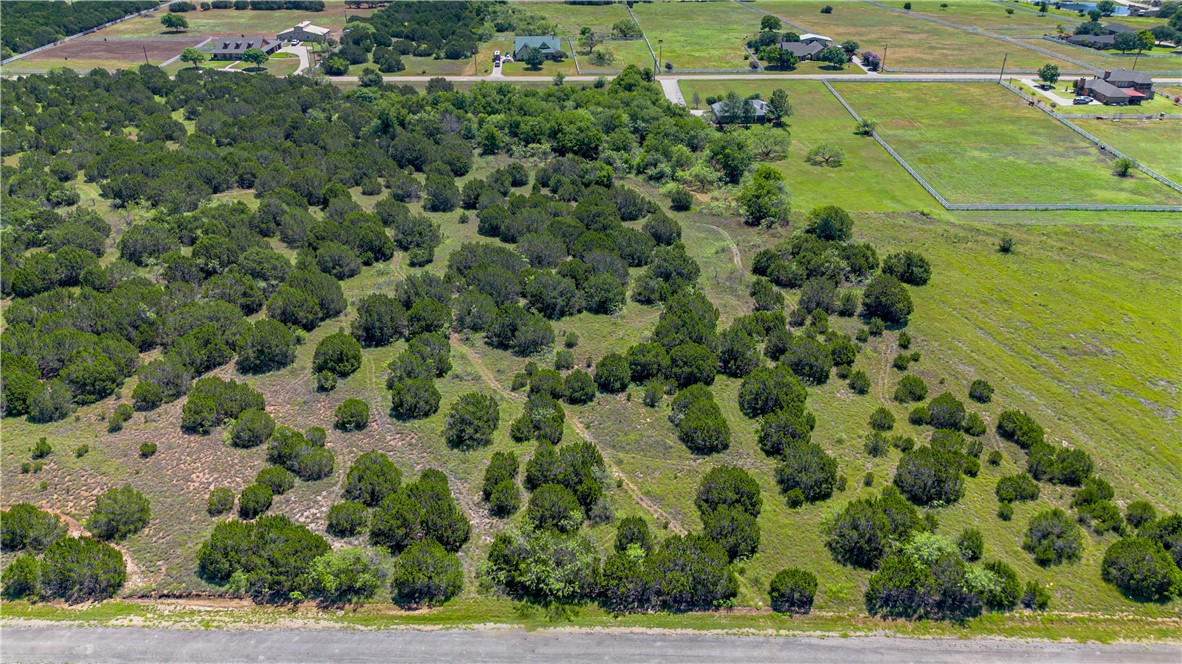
x,y
515,646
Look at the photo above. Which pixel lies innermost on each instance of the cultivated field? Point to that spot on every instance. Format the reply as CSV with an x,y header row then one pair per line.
x,y
89,52
1155,143
698,35
912,42
978,143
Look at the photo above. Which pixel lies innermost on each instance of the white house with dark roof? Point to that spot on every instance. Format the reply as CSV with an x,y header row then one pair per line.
x,y
549,46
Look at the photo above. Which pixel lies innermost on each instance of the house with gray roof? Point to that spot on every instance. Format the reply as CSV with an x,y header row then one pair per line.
x,y
549,46
803,50
232,48
723,114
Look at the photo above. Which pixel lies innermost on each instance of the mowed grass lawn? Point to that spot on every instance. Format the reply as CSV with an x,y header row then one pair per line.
x,y
1155,143
698,35
979,143
625,51
870,179
913,42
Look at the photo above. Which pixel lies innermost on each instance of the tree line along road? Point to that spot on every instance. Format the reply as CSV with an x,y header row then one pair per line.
x,y
516,646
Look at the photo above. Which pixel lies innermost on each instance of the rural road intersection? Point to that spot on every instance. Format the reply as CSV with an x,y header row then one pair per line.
x,y
516,646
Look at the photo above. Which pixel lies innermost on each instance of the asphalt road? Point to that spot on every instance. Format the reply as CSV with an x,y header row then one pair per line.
x,y
67,644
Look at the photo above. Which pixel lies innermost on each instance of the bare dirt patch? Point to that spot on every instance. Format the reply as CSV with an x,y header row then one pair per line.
x,y
127,50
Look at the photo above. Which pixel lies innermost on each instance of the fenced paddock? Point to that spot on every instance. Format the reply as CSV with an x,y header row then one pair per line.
x,y
973,145
87,53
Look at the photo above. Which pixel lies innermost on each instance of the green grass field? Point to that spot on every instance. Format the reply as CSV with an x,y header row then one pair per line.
x,y
912,42
819,118
698,35
1155,143
1161,62
1008,153
572,18
976,13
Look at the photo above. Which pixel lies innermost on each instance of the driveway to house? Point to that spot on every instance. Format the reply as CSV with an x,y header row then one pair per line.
x,y
301,51
672,91
517,646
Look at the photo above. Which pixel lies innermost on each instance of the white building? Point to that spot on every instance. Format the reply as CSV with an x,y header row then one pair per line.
x,y
305,31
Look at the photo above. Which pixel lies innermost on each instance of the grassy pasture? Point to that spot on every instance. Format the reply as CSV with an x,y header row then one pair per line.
x,y
1155,143
912,42
235,22
870,179
82,55
975,13
572,18
698,35
1007,153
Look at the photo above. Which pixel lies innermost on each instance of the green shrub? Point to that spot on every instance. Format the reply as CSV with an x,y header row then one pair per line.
x,y
82,569
1035,596
414,398
971,544
22,578
347,518
981,391
859,382
1142,569
254,500
352,415
371,478
279,480
882,420
1020,487
426,575
147,449
24,527
252,428
1053,538
118,513
221,500
911,388
472,421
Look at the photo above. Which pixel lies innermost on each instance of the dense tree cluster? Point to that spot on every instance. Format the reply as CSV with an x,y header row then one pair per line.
x,y
421,510
27,26
867,529
729,502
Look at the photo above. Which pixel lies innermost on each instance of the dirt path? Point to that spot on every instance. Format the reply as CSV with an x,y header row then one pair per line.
x,y
734,247
657,513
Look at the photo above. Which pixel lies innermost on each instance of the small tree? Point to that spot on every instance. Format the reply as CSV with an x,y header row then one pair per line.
x,y
472,421
1123,166
826,154
866,127
559,77
534,59
194,56
792,591
1049,73
256,57
174,22
772,23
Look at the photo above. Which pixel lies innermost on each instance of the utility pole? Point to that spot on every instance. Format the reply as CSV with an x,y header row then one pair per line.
x,y
145,54
661,51
882,65
1003,67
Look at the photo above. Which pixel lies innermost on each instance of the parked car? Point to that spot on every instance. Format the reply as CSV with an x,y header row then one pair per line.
x,y
1082,101
295,42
